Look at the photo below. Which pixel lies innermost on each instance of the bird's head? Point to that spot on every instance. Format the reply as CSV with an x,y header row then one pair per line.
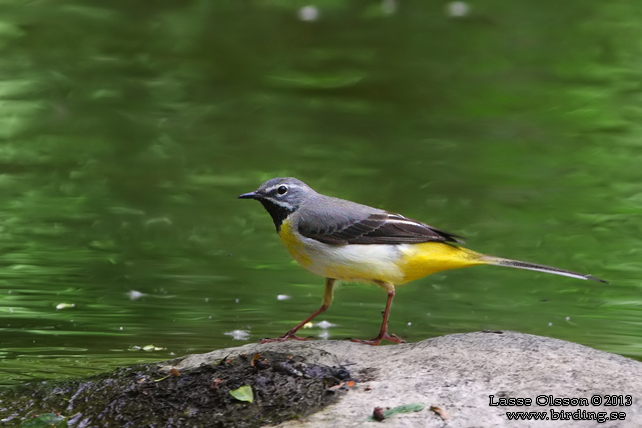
x,y
281,197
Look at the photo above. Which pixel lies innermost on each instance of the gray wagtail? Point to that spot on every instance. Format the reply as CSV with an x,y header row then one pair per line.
x,y
346,241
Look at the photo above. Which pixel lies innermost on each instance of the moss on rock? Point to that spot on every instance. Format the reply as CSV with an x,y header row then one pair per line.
x,y
284,388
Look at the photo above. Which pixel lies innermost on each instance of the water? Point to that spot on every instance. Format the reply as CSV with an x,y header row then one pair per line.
x,y
127,132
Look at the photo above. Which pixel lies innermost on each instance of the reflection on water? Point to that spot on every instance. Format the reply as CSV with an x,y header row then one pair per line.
x,y
126,134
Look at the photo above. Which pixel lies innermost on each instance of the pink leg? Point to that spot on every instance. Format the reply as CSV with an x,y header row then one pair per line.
x,y
383,334
327,301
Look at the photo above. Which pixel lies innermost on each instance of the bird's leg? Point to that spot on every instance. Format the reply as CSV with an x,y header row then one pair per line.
x,y
383,334
327,301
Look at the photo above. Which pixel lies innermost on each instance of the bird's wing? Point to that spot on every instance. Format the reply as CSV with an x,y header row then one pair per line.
x,y
377,228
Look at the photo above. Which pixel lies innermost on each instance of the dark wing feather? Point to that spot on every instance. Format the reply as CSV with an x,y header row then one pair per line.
x,y
379,228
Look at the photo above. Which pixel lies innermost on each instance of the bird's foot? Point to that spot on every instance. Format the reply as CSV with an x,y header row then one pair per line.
x,y
378,339
286,336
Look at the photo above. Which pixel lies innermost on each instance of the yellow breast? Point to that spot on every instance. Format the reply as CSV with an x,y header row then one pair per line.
x,y
294,245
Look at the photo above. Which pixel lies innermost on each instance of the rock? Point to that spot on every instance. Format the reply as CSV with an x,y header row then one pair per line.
x,y
458,373
460,380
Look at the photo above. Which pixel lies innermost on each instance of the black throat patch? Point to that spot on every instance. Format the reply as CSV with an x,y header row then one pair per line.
x,y
278,212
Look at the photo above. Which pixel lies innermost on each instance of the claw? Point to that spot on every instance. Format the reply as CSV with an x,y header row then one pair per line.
x,y
378,339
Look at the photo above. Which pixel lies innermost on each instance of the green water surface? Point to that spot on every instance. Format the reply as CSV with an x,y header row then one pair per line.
x,y
128,129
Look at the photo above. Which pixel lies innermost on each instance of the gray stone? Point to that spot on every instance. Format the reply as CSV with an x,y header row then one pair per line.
x,y
457,373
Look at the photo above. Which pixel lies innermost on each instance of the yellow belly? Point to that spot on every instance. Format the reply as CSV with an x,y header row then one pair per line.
x,y
394,264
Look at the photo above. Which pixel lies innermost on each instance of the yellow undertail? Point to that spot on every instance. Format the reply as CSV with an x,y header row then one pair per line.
x,y
424,259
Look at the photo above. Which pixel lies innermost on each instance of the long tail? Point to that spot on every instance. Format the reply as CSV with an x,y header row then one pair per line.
x,y
498,261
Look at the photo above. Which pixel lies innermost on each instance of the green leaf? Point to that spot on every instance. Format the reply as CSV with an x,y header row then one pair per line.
x,y
244,393
46,420
405,408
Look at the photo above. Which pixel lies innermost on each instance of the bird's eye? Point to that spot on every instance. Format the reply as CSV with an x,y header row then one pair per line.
x,y
282,190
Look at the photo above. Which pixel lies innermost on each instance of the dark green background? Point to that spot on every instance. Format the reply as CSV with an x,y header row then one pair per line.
x,y
128,129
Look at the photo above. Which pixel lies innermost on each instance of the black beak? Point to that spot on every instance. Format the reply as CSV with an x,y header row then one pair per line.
x,y
251,195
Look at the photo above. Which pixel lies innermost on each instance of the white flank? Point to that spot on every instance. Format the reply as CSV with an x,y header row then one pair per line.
x,y
376,262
